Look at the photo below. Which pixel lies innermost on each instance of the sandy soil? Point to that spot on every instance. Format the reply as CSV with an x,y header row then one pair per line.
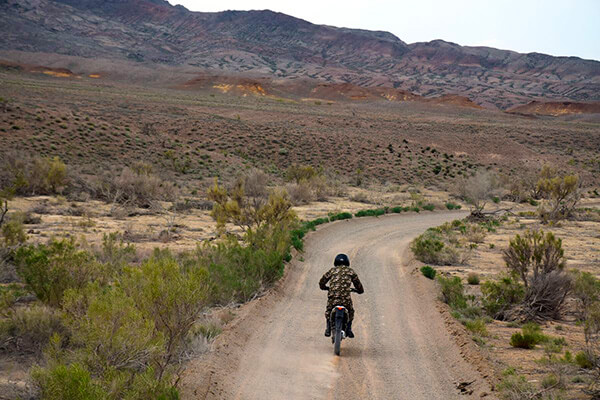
x,y
402,350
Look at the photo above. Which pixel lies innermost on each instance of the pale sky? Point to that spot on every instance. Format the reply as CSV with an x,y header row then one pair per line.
x,y
556,27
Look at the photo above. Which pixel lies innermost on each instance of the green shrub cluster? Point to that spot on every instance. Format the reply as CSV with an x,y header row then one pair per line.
x,y
430,247
340,216
464,307
50,269
371,213
530,336
123,336
428,271
473,279
453,206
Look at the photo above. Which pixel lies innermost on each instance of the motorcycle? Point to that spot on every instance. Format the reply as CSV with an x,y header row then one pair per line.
x,y
338,320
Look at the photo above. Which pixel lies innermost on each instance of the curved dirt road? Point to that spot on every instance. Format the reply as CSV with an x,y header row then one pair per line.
x,y
401,351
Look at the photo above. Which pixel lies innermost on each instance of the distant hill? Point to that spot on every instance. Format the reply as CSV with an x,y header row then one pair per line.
x,y
264,43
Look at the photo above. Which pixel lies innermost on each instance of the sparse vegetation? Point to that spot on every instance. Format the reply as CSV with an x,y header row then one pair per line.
x,y
538,260
428,272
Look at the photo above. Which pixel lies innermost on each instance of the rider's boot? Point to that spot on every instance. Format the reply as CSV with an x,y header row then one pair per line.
x,y
349,332
328,328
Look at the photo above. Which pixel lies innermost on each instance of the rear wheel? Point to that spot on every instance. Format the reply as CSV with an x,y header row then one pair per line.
x,y
337,342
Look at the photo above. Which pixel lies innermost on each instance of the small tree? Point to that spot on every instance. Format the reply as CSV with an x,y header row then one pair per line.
x,y
477,190
538,259
249,206
563,195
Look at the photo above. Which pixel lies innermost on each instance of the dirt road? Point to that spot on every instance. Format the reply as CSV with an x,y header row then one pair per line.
x,y
402,349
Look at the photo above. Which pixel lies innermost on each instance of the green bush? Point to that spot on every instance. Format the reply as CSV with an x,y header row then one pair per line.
x,y
477,326
370,213
452,291
535,331
49,270
428,271
473,279
396,210
109,331
67,382
453,206
522,341
340,216
430,248
530,336
583,360
498,297
237,272
429,207
170,293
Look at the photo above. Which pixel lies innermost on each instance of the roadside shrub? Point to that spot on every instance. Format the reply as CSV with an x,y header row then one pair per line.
x,y
452,291
498,297
28,329
340,216
429,207
430,248
477,326
170,294
49,270
428,271
473,279
237,272
538,259
453,206
370,213
109,331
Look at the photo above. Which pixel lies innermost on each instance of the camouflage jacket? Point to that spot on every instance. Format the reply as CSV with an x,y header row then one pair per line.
x,y
340,280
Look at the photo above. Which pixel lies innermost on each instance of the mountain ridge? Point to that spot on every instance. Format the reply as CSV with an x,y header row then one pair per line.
x,y
273,44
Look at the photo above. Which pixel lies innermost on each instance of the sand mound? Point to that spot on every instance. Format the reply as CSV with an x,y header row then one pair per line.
x,y
557,108
455,100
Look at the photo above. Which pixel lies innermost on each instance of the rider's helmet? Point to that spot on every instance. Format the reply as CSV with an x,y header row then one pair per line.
x,y
341,259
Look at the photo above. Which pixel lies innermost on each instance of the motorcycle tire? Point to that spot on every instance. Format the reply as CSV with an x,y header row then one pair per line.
x,y
338,342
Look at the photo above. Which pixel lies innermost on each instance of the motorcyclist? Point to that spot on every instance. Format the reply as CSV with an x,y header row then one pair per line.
x,y
340,278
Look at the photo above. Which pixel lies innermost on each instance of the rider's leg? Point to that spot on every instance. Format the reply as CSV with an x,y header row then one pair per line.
x,y
350,309
328,320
